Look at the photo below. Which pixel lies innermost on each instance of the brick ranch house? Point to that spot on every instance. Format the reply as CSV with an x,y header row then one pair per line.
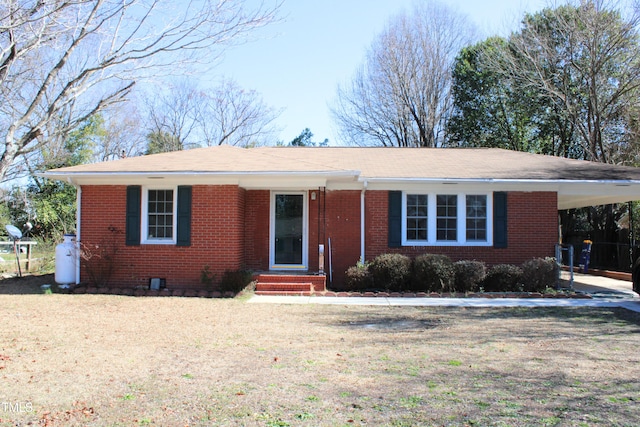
x,y
273,209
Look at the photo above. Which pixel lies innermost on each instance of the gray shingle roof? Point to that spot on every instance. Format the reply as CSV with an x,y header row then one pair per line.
x,y
368,163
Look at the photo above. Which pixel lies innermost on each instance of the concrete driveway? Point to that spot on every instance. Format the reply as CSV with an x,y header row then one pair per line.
x,y
601,286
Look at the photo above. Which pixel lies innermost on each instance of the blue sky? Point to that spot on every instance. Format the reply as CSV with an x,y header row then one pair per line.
x,y
296,64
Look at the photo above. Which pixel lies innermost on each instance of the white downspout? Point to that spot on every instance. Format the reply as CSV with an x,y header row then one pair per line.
x,y
362,227
78,218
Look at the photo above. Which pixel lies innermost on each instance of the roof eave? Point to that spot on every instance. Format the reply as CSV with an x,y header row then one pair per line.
x,y
622,182
204,177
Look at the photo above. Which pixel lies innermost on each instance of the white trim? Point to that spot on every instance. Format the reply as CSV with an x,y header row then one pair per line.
x,y
362,222
461,232
305,232
623,182
144,220
78,222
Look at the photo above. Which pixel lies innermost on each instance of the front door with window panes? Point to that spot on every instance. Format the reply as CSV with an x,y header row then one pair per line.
x,y
289,229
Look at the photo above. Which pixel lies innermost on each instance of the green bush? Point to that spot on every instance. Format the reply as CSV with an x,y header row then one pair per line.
x,y
503,278
358,277
391,271
433,273
539,274
235,281
469,275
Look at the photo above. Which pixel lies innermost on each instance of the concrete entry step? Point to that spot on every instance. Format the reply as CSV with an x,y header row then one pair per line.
x,y
289,284
284,293
284,287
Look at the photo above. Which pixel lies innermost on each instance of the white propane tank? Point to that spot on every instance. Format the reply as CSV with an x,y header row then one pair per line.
x,y
66,260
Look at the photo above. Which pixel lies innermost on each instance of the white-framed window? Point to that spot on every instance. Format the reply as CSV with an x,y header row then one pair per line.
x,y
447,219
417,217
159,215
476,217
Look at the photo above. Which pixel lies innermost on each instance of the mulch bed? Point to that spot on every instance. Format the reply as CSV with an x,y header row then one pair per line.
x,y
455,295
216,294
148,292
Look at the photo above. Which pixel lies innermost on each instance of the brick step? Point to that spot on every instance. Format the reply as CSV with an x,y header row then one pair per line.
x,y
288,278
318,281
292,287
285,293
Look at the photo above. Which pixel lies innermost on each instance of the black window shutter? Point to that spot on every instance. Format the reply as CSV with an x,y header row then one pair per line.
x,y
184,216
133,215
500,220
395,219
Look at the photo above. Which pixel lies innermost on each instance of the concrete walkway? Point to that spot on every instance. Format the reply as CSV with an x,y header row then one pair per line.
x,y
605,292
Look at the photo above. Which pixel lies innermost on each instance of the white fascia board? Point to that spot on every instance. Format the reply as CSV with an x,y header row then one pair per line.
x,y
571,193
459,185
495,181
265,180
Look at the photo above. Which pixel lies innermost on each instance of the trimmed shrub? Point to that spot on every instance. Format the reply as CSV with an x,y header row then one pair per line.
x,y
235,281
358,277
433,273
469,275
391,271
503,278
539,274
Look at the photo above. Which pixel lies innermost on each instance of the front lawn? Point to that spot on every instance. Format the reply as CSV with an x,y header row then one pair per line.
x,y
122,361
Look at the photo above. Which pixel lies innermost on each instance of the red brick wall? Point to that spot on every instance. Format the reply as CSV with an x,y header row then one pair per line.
x,y
256,234
343,227
230,230
217,237
532,230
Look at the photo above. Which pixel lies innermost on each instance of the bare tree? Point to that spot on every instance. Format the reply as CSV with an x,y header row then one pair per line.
x,y
75,58
123,133
401,95
171,117
184,116
584,59
234,116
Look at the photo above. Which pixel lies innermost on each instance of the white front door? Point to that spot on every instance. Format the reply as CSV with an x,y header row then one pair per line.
x,y
288,237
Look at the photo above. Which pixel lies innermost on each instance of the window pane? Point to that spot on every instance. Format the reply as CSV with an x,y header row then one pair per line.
x,y
160,214
476,218
416,220
447,217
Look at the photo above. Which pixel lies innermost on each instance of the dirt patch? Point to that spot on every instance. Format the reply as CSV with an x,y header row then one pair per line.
x,y
10,284
115,360
397,323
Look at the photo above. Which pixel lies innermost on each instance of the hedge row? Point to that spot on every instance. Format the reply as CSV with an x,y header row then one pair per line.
x,y
437,273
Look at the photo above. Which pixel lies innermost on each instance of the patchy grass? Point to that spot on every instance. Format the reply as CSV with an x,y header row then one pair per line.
x,y
120,361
